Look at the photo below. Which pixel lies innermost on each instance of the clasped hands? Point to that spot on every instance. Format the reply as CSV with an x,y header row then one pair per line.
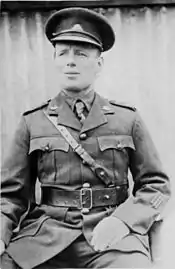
x,y
108,232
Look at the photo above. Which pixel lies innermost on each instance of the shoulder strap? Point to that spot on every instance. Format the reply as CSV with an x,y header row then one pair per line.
x,y
36,108
99,170
113,102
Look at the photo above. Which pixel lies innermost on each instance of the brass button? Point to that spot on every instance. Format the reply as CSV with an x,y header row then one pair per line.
x,y
106,196
83,136
119,146
86,185
84,162
102,173
85,210
47,148
118,187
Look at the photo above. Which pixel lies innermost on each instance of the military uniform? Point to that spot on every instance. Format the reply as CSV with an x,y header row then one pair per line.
x,y
116,138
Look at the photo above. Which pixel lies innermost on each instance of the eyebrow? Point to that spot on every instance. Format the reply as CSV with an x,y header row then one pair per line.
x,y
74,48
66,47
61,49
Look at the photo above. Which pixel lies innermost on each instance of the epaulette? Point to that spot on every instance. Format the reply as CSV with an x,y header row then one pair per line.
x,y
36,108
113,102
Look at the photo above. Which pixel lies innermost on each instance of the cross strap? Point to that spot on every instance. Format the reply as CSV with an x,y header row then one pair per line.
x,y
99,170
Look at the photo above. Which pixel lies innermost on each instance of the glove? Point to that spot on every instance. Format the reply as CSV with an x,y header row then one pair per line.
x,y
108,232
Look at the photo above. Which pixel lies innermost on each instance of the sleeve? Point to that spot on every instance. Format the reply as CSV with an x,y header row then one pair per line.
x,y
151,188
16,185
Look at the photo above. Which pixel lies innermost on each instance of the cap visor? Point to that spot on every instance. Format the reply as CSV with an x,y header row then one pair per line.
x,y
76,39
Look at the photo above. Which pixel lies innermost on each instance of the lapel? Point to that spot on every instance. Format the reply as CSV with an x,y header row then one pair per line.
x,y
59,108
65,116
97,114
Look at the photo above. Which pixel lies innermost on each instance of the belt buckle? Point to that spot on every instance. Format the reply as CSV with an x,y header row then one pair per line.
x,y
85,199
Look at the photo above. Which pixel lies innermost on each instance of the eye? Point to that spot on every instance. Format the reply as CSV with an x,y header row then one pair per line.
x,y
81,53
60,53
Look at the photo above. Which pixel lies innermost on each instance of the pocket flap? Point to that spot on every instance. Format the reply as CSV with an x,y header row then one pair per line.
x,y
116,142
48,144
31,229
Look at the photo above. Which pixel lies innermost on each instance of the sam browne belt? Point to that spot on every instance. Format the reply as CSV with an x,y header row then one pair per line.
x,y
85,198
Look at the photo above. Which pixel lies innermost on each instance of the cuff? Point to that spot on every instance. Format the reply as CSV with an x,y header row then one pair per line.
x,y
6,229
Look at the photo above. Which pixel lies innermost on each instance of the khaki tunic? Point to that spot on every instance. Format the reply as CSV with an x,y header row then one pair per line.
x,y
116,137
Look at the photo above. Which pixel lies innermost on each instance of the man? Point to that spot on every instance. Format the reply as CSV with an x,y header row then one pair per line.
x,y
80,147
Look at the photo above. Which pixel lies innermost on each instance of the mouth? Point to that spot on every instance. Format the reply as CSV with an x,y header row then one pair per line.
x,y
71,73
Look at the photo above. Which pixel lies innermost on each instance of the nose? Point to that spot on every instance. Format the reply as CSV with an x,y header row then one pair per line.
x,y
71,59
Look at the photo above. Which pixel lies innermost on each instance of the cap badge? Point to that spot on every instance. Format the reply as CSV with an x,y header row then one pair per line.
x,y
77,28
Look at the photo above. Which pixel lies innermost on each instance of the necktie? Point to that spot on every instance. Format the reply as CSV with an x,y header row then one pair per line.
x,y
80,107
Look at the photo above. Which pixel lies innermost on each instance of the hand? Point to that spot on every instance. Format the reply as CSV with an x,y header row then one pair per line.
x,y
2,247
108,232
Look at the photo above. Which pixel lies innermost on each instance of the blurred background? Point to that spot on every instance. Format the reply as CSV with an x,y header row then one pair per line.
x,y
139,70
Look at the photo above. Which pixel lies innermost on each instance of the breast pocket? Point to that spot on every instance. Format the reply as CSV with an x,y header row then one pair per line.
x,y
52,157
114,151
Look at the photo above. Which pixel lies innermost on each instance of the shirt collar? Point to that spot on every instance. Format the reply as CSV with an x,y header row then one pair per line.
x,y
87,99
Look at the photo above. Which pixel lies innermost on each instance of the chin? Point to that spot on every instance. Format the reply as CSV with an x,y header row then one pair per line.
x,y
74,88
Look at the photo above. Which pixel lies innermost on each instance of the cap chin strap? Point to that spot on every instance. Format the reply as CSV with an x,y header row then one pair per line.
x,y
83,34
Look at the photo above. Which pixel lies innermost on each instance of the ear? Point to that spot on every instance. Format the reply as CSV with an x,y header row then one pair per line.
x,y
100,63
54,53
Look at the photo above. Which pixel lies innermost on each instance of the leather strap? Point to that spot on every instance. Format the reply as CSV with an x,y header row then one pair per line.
x,y
85,198
99,170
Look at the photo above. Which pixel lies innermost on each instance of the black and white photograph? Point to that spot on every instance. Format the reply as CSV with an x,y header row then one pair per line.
x,y
87,92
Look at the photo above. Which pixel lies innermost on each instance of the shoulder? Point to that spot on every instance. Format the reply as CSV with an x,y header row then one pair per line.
x,y
44,104
122,105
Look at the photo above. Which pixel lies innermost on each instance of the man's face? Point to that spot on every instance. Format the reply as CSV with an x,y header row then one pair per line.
x,y
78,65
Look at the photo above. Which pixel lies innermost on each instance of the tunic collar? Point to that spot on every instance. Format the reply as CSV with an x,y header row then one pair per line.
x,y
87,99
